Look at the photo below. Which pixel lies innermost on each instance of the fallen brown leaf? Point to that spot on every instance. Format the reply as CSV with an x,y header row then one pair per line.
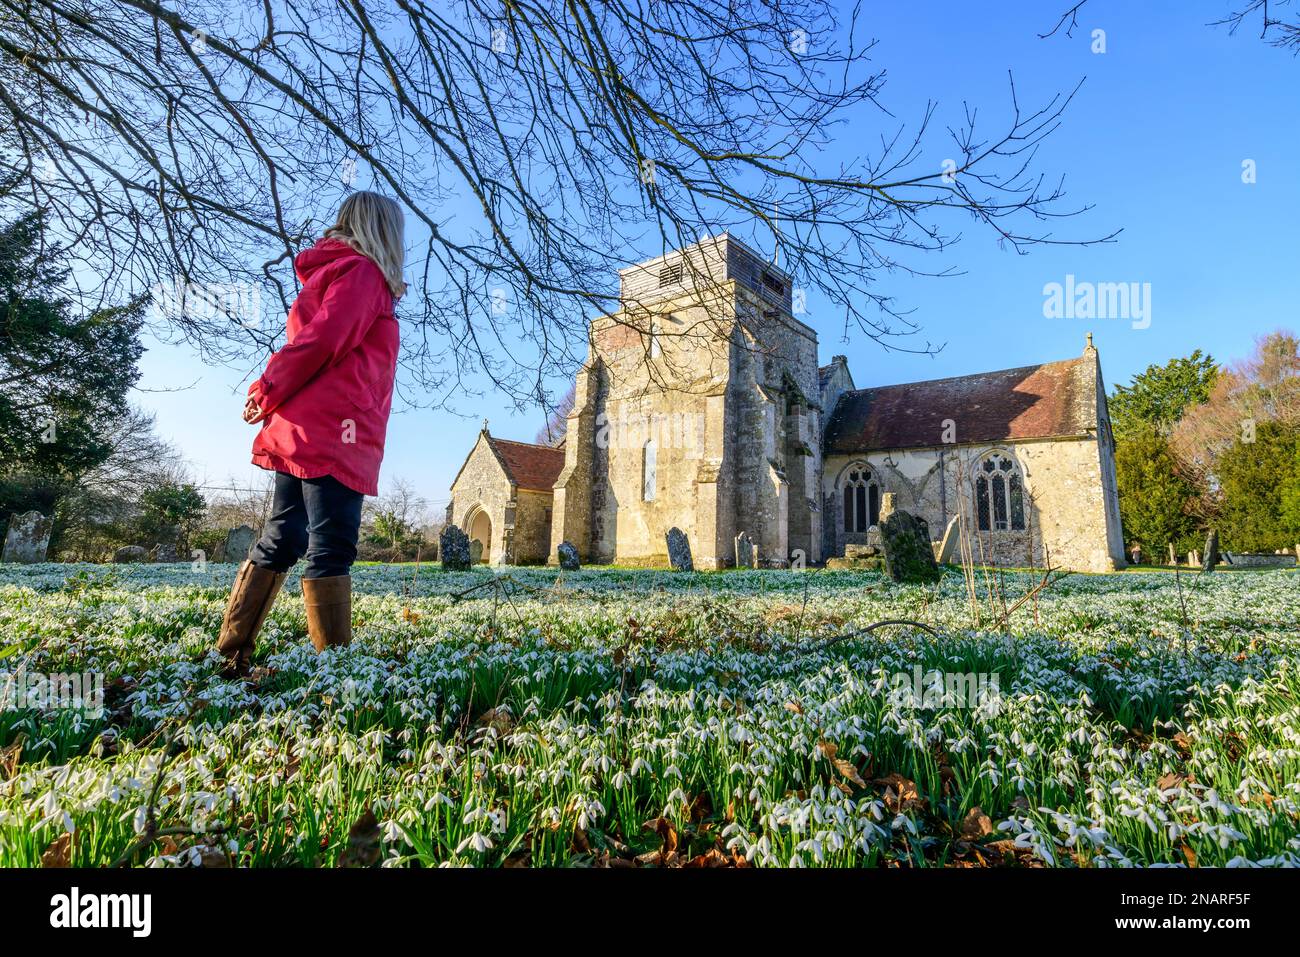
x,y
850,772
59,853
363,842
11,754
900,793
1170,781
976,824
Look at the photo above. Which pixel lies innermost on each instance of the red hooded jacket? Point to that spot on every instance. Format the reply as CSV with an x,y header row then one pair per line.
x,y
327,393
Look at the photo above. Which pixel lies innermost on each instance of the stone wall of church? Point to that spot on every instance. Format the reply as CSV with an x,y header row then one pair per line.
x,y
531,541
482,484
1066,495
726,389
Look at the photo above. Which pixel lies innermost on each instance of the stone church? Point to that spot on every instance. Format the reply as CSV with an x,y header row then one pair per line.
x,y
702,406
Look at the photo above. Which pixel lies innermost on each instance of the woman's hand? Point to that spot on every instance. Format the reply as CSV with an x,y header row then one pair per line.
x,y
252,411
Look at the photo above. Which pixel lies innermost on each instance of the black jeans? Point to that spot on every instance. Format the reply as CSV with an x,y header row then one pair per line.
x,y
319,518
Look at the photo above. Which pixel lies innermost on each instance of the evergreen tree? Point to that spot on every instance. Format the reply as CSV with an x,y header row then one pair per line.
x,y
64,377
1259,485
1154,497
1159,396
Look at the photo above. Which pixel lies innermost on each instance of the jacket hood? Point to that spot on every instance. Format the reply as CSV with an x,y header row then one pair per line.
x,y
322,254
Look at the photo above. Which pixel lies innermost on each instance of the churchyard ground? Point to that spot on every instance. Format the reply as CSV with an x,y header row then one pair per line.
x,y
640,718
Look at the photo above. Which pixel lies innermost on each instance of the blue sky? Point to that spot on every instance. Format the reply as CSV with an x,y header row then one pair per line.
x,y
1154,141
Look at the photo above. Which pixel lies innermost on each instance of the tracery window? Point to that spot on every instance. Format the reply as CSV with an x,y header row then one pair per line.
x,y
861,499
999,494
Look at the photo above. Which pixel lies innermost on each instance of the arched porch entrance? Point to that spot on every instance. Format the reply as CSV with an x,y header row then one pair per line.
x,y
480,530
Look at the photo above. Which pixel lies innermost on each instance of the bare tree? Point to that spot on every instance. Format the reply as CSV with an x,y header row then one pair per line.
x,y
557,420
538,146
1278,31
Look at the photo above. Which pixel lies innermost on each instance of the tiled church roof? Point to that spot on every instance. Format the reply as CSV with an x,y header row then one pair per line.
x,y
1043,401
533,467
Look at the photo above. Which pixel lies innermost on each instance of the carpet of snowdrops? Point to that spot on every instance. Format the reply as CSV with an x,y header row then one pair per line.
x,y
640,718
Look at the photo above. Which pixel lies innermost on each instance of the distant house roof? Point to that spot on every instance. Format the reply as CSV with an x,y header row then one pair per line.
x,y
533,467
1055,399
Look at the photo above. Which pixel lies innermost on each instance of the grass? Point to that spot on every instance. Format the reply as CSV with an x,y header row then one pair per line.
x,y
619,717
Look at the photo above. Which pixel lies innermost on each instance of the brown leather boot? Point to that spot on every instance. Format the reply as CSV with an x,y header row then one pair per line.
x,y
329,610
250,602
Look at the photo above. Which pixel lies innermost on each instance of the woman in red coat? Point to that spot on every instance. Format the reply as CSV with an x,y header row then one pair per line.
x,y
323,403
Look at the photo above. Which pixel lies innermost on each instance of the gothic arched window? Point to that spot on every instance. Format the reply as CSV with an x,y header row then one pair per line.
x,y
649,468
861,499
999,494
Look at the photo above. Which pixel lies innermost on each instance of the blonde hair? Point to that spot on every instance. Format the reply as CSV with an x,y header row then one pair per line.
x,y
373,225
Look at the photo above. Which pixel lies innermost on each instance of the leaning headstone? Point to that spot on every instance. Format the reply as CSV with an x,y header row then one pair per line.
x,y
567,553
1211,551
909,556
475,551
746,552
131,553
679,550
948,548
239,541
163,552
453,546
28,538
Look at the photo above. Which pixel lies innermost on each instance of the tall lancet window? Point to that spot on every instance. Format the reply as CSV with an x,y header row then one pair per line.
x,y
861,499
999,494
649,470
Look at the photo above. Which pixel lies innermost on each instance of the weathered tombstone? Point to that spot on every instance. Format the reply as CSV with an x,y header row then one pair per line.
x,y
1173,555
453,546
27,539
567,553
679,550
239,541
887,506
1193,557
130,553
948,548
163,552
1211,551
746,552
873,535
475,551
909,556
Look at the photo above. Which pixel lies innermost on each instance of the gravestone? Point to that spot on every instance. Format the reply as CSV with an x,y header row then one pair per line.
x,y
746,551
27,539
1173,555
567,553
679,550
239,541
163,552
887,506
950,546
1211,551
475,551
453,546
909,556
130,553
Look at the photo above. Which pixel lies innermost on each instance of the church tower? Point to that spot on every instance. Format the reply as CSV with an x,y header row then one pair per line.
x,y
698,407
